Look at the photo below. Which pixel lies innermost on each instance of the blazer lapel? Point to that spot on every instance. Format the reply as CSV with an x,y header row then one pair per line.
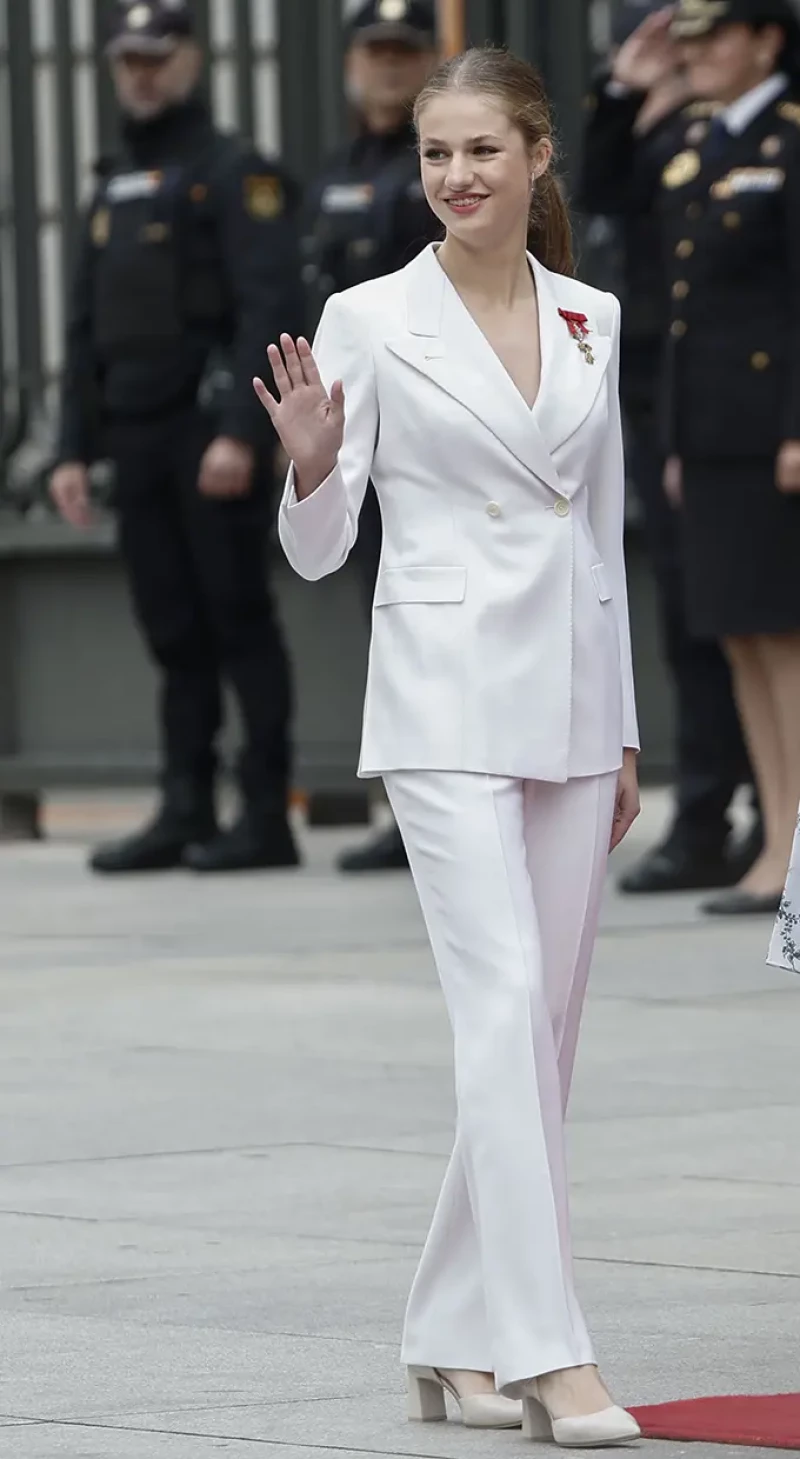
x,y
446,345
570,384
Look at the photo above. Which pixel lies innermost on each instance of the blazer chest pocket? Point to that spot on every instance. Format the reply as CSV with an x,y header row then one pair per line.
x,y
601,583
421,585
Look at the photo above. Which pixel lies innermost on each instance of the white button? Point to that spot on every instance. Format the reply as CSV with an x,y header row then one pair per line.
x,y
562,507
494,509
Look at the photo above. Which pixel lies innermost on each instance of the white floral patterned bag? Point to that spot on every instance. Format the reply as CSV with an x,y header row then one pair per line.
x,y
784,949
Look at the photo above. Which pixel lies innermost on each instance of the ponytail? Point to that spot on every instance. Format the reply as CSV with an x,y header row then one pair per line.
x,y
550,228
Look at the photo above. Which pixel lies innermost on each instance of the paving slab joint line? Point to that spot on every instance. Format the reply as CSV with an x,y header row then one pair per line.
x,y
680,1266
304,1445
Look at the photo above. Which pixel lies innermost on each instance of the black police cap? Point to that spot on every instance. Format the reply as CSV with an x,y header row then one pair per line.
x,y
149,27
695,18
410,21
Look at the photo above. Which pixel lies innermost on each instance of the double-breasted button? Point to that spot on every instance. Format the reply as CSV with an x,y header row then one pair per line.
x,y
680,289
685,248
678,328
760,360
494,509
731,220
562,507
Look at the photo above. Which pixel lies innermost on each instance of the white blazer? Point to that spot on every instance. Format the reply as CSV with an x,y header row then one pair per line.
x,y
500,638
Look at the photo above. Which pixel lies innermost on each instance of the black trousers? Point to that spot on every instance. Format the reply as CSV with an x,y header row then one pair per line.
x,y
712,760
197,570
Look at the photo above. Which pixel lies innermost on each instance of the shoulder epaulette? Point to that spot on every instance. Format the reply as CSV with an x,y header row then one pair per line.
x,y
790,111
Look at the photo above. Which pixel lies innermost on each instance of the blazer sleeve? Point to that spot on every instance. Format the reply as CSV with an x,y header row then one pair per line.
x,y
318,532
607,518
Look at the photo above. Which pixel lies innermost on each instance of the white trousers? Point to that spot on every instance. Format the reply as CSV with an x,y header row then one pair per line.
x,y
510,878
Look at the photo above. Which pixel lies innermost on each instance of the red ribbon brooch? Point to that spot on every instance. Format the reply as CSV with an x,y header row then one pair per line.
x,y
578,328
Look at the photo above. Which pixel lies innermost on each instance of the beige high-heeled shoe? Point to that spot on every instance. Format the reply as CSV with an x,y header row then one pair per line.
x,y
426,1403
606,1429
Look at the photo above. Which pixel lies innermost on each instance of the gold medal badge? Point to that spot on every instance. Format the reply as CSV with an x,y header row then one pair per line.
x,y
771,147
682,169
263,197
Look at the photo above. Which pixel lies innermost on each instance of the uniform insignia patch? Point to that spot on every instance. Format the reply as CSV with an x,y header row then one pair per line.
x,y
263,197
771,147
101,227
790,111
155,232
754,180
130,185
682,169
393,10
348,197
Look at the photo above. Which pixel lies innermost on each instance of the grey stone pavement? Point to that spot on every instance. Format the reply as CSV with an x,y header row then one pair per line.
x,y
226,1110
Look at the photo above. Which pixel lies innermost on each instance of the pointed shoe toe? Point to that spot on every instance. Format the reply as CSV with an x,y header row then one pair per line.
x,y
609,1428
426,1403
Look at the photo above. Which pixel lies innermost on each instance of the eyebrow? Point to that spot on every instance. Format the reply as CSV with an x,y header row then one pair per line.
x,y
437,141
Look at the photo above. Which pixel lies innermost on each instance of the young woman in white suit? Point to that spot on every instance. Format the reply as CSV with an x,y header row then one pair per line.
x,y
477,388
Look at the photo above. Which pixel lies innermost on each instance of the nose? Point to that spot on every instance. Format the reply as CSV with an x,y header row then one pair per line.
x,y
460,173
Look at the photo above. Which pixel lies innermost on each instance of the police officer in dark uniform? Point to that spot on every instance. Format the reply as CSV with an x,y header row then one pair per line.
x,y
365,216
188,267
631,133
728,204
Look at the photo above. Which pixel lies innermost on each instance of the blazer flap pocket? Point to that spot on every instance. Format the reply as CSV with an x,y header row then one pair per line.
x,y
421,585
601,582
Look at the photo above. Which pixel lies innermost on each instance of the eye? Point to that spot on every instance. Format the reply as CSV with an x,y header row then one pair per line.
x,y
486,150
433,154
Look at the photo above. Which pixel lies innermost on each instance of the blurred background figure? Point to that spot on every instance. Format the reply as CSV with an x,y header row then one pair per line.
x,y
365,216
189,265
728,207
640,108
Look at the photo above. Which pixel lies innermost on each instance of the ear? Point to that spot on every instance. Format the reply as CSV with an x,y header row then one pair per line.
x,y
541,157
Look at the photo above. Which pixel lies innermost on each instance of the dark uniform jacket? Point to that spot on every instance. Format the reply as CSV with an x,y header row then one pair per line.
x,y
188,268
605,189
728,216
365,215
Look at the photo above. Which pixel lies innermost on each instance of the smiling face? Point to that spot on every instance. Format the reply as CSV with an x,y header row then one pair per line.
x,y
477,167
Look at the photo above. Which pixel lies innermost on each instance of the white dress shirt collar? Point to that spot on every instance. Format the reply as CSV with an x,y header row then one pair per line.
x,y
738,116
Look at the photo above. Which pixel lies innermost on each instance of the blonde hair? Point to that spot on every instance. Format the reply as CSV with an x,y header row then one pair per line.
x,y
492,72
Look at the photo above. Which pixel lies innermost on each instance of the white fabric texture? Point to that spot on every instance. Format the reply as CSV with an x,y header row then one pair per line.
x,y
500,639
510,876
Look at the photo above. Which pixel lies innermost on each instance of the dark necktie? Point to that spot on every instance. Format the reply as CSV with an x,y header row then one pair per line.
x,y
716,143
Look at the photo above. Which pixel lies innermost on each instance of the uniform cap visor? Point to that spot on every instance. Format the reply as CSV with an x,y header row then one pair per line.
x,y
143,45
691,28
388,30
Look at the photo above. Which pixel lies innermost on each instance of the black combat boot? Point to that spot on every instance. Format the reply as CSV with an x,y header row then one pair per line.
x,y
385,852
261,840
186,817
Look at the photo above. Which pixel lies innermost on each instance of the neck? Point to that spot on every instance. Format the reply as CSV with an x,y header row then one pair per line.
x,y
498,276
743,89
